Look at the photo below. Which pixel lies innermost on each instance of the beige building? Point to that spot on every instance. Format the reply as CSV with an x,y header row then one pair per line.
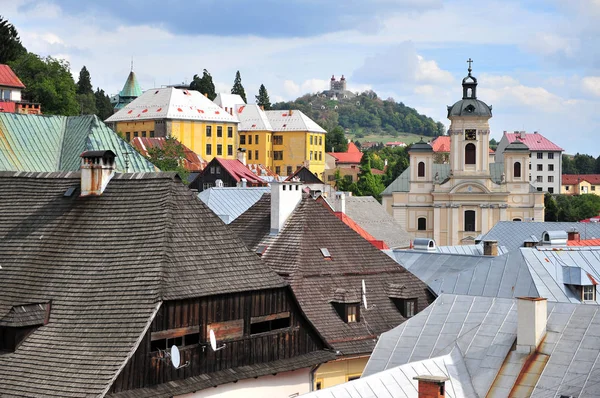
x,y
455,202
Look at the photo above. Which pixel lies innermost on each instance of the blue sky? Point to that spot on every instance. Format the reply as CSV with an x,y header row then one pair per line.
x,y
537,61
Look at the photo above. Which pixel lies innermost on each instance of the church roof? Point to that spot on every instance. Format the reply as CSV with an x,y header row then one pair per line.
x,y
516,146
131,87
420,146
172,103
470,107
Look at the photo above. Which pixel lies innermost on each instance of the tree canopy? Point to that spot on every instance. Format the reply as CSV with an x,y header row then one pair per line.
x,y
104,109
335,140
571,207
237,87
85,93
10,42
169,158
262,98
580,164
204,85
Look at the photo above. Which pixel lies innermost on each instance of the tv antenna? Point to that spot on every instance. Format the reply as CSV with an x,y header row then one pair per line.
x,y
174,356
364,295
213,341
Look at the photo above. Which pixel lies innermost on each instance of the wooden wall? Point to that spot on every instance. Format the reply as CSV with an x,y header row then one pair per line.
x,y
225,314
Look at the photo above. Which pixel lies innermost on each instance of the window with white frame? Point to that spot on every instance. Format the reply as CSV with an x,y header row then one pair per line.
x,y
589,293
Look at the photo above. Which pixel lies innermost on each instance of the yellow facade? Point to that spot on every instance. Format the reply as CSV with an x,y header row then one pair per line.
x,y
207,139
582,187
285,152
337,372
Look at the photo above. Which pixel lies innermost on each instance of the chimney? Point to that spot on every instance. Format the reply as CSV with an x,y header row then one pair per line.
x,y
244,182
290,112
206,95
532,315
340,202
285,196
262,107
574,235
431,386
490,247
97,168
241,155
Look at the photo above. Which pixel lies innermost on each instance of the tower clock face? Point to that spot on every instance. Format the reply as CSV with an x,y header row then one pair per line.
x,y
470,135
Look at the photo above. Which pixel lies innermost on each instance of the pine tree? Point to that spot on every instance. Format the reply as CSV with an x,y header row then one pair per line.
x,y
262,98
104,109
84,84
237,86
10,43
204,85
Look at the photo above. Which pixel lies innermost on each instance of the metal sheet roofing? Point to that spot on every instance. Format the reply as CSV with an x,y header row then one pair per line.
x,y
292,120
229,101
172,103
252,118
131,88
8,78
230,203
535,141
54,143
474,250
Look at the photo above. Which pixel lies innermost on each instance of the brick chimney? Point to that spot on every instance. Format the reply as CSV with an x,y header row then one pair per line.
x,y
285,196
432,386
97,168
532,313
241,155
490,247
574,235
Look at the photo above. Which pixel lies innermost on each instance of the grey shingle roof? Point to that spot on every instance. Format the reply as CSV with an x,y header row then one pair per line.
x,y
295,253
371,216
512,234
230,202
106,262
484,330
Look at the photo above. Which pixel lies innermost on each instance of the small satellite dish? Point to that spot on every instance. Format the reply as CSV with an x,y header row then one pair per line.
x,y
364,294
213,341
175,356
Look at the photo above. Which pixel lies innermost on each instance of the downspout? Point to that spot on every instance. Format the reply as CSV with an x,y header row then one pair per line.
x,y
311,377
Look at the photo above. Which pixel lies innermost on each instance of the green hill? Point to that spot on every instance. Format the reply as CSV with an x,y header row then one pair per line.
x,y
365,116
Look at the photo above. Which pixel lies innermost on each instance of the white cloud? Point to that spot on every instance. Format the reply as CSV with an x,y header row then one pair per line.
x,y
314,85
591,85
291,88
429,71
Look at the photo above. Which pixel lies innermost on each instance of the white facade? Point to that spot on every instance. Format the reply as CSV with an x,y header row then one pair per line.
x,y
545,165
10,94
287,384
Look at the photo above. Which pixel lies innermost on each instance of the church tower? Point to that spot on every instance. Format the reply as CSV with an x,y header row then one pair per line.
x,y
469,131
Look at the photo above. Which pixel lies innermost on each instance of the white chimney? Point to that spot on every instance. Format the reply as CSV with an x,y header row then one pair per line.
x,y
244,182
241,155
340,202
285,196
97,168
532,315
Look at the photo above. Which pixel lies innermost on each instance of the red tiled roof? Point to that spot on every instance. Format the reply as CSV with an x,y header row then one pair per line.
x,y
584,242
8,77
192,162
535,141
377,172
442,144
573,179
8,106
352,155
237,170
367,236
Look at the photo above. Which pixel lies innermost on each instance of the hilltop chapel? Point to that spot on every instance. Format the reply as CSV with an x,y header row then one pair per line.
x,y
453,203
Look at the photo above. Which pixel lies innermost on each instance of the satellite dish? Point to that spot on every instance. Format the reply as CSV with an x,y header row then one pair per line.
x,y
175,356
364,294
213,341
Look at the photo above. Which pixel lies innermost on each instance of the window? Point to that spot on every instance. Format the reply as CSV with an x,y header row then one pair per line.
x,y
470,220
242,140
550,155
550,167
406,306
320,155
320,140
540,155
311,140
229,150
209,131
256,155
516,219
422,224
151,133
219,150
539,189
421,169
164,339
567,188
351,313
208,149
277,170
529,166
207,185
263,324
589,293
470,154
144,134
348,178
6,95
539,179
593,187
517,170
277,140
540,167
319,384
256,139
249,155
249,139
219,131
278,155
550,190
289,170
310,155
229,132
352,377
128,135
135,134
550,178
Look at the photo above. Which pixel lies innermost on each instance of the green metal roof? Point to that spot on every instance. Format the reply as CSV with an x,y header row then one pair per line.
x,y
131,87
53,143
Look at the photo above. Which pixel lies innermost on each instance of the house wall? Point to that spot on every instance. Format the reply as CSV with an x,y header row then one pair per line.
x,y
287,384
232,317
337,372
297,150
264,147
582,188
130,130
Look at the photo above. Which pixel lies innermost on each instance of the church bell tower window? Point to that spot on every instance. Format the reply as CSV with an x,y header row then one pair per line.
x,y
421,169
470,154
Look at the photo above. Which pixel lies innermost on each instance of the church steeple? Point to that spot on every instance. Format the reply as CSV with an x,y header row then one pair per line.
x,y
469,84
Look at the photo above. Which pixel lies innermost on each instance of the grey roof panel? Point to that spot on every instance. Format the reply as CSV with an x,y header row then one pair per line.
x,y
230,202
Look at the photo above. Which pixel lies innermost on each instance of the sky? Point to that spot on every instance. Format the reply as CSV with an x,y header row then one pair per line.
x,y
537,61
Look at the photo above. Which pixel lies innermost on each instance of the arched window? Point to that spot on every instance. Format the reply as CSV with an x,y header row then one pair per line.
x,y
517,170
470,154
516,219
469,92
470,220
421,169
422,224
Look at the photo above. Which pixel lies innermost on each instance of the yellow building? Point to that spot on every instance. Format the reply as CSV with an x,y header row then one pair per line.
x,y
186,115
577,184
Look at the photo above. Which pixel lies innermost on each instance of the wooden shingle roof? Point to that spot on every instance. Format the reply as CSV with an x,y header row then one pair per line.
x,y
106,263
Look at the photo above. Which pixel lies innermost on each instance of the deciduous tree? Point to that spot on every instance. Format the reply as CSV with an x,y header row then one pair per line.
x,y
204,85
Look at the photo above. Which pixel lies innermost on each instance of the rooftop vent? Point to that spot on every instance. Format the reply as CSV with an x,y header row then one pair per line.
x,y
424,244
555,238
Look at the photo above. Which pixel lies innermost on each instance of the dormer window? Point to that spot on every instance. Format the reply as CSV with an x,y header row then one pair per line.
x,y
403,299
325,253
352,311
588,293
19,322
347,305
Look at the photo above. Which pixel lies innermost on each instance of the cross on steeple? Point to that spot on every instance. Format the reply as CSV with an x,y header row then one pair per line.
x,y
470,61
